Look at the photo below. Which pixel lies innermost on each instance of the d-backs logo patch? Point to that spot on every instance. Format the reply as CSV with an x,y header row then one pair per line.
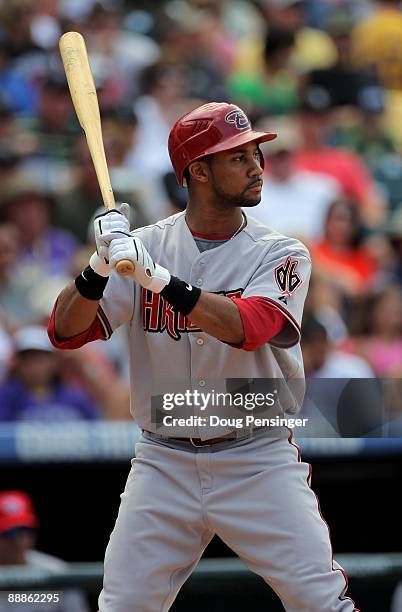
x,y
239,119
286,277
159,316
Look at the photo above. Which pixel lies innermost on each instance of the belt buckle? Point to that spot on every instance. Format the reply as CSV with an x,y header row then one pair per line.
x,y
199,445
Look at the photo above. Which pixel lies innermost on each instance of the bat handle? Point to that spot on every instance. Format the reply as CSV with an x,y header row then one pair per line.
x,y
125,267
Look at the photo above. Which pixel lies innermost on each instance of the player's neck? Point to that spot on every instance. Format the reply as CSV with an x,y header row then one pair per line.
x,y
213,222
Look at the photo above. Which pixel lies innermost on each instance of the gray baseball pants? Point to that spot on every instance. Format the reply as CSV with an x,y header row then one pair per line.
x,y
254,494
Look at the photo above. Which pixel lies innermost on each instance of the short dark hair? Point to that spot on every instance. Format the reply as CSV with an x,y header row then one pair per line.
x,y
186,176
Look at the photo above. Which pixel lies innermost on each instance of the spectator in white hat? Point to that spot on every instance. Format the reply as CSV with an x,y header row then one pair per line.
x,y
33,390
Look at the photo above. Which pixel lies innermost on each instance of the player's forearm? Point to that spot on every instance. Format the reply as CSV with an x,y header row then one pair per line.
x,y
74,313
218,316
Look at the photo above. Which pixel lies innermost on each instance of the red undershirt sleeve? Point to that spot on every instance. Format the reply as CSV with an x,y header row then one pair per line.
x,y
96,331
261,320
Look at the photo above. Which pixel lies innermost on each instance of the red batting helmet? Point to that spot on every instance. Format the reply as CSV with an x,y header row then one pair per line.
x,y
210,128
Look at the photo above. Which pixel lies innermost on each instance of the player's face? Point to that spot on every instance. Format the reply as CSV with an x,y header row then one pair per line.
x,y
236,176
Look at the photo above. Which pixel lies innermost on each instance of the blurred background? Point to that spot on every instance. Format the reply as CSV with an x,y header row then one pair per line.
x,y
326,75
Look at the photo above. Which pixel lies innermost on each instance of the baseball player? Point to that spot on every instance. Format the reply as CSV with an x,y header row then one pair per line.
x,y
215,295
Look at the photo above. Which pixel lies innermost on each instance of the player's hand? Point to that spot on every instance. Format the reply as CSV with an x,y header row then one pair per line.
x,y
99,265
111,222
150,275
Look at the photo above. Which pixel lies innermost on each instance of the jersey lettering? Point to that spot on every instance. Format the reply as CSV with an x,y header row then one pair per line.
x,y
168,320
150,309
159,316
286,277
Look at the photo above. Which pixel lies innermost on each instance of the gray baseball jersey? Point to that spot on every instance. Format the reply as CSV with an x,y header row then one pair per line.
x,y
253,493
166,346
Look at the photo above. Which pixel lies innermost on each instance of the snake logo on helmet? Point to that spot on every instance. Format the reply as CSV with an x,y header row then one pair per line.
x,y
237,117
208,129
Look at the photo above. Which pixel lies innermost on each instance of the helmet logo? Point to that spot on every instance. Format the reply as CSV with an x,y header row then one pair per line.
x,y
238,117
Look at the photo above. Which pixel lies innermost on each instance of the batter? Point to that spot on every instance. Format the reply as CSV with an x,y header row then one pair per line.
x,y
215,297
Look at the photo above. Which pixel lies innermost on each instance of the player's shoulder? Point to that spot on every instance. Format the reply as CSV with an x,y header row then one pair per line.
x,y
171,223
273,242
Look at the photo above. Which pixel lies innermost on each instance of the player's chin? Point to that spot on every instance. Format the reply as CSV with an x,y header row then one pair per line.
x,y
249,202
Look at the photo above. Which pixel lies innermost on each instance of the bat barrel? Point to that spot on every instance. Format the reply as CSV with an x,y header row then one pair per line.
x,y
83,94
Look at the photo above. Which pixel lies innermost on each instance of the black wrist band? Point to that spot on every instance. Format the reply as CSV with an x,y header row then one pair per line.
x,y
182,296
91,285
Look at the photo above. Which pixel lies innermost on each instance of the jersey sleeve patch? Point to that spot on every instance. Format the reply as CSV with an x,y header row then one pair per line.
x,y
286,277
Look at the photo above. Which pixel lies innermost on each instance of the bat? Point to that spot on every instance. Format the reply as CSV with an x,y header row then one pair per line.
x,y
83,94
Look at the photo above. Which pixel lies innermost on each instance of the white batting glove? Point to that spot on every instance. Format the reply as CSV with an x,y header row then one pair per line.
x,y
99,265
148,274
110,222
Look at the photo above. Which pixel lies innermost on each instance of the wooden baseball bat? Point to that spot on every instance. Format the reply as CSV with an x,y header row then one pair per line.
x,y
83,94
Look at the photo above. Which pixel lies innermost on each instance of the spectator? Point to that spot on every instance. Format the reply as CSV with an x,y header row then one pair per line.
x,y
15,143
313,47
42,248
16,307
28,59
322,360
327,303
15,91
76,206
357,95
33,391
117,54
342,396
344,84
341,164
163,100
376,44
119,126
53,132
379,335
18,523
196,38
360,121
376,41
48,137
274,90
45,25
339,256
98,370
293,202
54,127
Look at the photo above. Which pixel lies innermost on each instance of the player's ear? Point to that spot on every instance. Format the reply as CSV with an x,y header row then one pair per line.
x,y
198,171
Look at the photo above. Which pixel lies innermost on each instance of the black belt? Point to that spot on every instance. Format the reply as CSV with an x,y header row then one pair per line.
x,y
198,443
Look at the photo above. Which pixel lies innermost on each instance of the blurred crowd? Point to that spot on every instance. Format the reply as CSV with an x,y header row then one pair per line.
x,y
18,532
326,75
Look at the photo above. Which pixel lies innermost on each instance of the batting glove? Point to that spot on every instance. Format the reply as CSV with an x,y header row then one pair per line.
x,y
110,222
148,274
99,265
